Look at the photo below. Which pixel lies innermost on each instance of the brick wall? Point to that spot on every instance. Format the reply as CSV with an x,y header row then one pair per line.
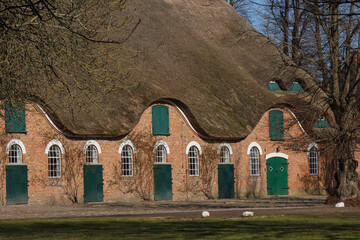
x,y
42,189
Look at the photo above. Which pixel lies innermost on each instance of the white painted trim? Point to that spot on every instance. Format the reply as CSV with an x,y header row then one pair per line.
x,y
310,146
297,120
55,142
127,142
254,144
282,155
225,145
18,142
193,143
92,142
48,118
161,143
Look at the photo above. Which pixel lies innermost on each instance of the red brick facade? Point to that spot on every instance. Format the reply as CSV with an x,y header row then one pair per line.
x,y
42,189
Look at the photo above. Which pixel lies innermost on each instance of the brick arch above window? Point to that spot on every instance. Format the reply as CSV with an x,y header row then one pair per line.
x,y
193,143
161,143
92,142
55,142
18,142
127,142
225,145
254,144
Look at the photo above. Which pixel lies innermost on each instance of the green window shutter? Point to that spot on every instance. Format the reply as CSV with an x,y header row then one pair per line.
x,y
295,87
273,86
276,125
15,117
322,123
160,120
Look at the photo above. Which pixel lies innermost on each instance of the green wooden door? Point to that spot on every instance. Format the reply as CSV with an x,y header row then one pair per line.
x,y
16,184
162,182
277,176
226,180
93,183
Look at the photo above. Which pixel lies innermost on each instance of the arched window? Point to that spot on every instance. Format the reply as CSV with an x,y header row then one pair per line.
x,y
313,161
193,161
127,161
54,162
254,162
15,154
224,155
160,154
91,154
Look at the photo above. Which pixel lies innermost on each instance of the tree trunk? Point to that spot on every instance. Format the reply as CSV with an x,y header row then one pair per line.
x,y
347,176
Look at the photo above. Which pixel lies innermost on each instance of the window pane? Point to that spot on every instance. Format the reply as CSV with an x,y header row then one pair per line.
x,y
161,154
15,154
224,155
313,163
91,154
193,161
54,162
254,162
126,161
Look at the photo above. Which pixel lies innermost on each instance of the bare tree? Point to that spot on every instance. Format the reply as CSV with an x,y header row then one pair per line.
x,y
58,46
325,41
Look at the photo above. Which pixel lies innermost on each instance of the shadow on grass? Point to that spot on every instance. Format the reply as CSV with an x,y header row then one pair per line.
x,y
160,228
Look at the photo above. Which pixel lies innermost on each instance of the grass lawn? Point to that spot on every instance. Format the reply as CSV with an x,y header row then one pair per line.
x,y
278,227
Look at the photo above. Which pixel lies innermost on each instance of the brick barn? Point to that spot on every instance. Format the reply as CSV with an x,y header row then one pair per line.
x,y
200,115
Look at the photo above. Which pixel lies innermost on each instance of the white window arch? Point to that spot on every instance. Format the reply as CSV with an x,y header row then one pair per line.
x,y
193,157
127,160
94,143
225,145
54,161
57,143
161,143
18,142
254,162
193,143
254,144
127,142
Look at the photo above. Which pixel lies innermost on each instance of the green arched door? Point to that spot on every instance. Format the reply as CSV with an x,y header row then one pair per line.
x,y
276,168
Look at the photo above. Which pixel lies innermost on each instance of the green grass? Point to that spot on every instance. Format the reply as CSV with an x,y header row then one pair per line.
x,y
161,228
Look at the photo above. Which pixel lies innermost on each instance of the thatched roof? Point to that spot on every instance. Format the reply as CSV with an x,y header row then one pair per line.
x,y
199,53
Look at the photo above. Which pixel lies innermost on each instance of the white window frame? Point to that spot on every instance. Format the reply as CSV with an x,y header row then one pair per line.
x,y
160,154
193,161
91,154
313,161
57,156
15,155
254,162
21,148
127,167
224,155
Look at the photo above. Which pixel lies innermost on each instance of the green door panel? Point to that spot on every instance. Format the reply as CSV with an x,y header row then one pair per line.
x,y
16,184
276,169
162,182
93,183
226,180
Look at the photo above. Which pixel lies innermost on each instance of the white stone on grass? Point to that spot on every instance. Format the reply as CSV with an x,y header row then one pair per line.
x,y
340,204
205,214
248,214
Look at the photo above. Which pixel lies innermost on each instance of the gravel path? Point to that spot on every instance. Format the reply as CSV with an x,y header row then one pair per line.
x,y
286,205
